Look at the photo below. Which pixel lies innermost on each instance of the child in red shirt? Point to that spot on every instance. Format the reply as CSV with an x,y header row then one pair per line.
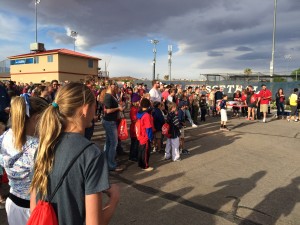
x,y
133,154
146,134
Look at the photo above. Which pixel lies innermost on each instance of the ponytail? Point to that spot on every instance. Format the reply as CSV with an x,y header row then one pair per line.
x,y
50,128
18,119
52,124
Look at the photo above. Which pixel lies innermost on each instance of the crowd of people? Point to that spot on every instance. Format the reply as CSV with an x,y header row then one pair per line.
x,y
44,126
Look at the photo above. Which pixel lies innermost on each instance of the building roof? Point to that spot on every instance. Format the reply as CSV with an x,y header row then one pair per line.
x,y
55,51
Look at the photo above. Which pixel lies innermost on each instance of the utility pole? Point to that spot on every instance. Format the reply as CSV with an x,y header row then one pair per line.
x,y
36,3
170,60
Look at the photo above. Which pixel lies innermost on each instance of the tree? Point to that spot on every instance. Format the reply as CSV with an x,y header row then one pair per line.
x,y
279,79
166,77
247,71
294,73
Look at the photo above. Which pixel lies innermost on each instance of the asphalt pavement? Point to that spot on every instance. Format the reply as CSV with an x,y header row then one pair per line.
x,y
249,175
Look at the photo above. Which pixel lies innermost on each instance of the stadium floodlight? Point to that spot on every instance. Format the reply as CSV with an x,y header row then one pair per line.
x,y
273,46
154,42
74,35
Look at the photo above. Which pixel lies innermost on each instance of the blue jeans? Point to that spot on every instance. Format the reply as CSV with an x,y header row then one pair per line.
x,y
280,107
188,115
111,142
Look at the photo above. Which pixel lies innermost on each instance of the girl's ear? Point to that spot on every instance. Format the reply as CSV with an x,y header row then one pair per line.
x,y
85,110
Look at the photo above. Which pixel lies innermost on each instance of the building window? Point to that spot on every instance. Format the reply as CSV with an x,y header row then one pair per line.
x,y
50,58
90,63
36,59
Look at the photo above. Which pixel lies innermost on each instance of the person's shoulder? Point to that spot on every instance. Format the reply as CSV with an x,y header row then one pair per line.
x,y
73,140
7,136
93,151
107,95
152,91
146,116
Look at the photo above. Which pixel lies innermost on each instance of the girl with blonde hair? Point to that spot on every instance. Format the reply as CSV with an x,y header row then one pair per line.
x,y
79,198
18,146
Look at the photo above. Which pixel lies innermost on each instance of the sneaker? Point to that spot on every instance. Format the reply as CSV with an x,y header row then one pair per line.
x,y
185,152
154,150
194,125
264,120
165,158
118,169
177,160
296,120
148,169
288,120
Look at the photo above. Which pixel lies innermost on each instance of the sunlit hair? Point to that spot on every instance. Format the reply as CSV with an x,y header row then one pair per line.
x,y
38,90
136,104
69,99
146,95
171,106
19,117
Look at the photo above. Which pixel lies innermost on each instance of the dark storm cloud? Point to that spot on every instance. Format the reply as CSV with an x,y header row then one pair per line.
x,y
215,54
254,56
243,49
209,26
106,21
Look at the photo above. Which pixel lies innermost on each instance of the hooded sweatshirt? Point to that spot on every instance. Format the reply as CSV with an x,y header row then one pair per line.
x,y
158,118
146,127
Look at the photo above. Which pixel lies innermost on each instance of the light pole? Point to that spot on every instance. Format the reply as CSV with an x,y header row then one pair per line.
x,y
273,46
74,35
170,60
287,58
154,42
36,3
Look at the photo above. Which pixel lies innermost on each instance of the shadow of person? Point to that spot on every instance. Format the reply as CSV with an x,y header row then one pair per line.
x,y
278,203
224,202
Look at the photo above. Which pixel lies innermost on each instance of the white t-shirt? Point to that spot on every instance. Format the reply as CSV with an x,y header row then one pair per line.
x,y
155,95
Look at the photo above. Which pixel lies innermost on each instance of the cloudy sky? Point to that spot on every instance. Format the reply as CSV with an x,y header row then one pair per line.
x,y
208,36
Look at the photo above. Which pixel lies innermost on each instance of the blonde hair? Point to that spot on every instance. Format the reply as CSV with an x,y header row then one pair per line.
x,y
171,106
52,124
136,104
19,117
146,95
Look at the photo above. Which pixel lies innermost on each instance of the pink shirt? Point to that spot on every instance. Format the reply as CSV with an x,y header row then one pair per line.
x,y
165,95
